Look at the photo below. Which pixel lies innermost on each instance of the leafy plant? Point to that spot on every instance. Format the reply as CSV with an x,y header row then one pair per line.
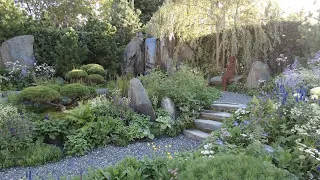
x,y
75,91
96,79
77,74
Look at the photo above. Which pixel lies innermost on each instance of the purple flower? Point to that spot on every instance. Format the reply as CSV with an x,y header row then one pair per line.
x,y
24,72
235,123
246,122
265,134
318,168
219,142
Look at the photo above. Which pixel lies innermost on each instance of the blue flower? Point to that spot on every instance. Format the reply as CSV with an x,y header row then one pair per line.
x,y
235,123
265,134
46,117
246,122
219,142
318,168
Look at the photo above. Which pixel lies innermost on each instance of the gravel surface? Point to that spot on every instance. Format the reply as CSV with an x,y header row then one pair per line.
x,y
230,97
100,158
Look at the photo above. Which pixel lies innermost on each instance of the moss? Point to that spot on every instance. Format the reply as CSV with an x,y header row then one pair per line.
x,y
39,94
76,74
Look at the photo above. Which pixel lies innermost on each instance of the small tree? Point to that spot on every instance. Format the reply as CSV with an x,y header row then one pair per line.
x,y
42,95
69,52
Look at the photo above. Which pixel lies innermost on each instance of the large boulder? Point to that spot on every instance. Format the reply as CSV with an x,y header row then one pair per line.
x,y
133,57
168,105
259,71
139,100
217,80
19,49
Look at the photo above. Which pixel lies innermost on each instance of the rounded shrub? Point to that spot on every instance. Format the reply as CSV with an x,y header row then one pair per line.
x,y
39,94
96,79
75,91
54,87
76,74
95,70
88,66
233,167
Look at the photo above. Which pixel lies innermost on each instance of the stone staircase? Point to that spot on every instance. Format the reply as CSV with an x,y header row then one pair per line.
x,y
211,120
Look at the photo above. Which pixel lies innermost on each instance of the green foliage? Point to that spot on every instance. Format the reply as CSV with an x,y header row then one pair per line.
x,y
310,34
95,70
35,154
125,19
147,8
189,91
88,66
69,52
96,79
76,74
13,21
39,94
232,167
121,83
54,87
75,91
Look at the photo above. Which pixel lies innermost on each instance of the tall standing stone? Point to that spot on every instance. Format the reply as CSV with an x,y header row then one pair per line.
x,y
259,71
139,100
133,57
151,53
19,49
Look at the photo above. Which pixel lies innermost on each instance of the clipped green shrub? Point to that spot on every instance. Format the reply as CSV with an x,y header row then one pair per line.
x,y
54,87
88,66
75,91
76,74
95,70
232,167
40,94
96,79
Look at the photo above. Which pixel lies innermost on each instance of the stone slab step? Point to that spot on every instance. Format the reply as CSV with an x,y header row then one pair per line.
x,y
207,124
214,115
195,134
217,80
227,106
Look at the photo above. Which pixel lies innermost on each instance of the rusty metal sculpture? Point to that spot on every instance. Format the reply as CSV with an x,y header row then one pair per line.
x,y
230,73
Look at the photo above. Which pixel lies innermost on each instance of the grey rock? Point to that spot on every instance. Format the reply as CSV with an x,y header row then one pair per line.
x,y
259,71
217,80
139,100
133,57
102,91
168,105
19,49
150,53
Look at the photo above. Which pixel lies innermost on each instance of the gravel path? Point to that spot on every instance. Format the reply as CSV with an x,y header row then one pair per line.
x,y
101,158
230,97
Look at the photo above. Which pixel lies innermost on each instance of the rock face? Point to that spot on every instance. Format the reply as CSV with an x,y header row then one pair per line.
x,y
168,105
259,71
165,54
20,49
139,100
150,53
133,57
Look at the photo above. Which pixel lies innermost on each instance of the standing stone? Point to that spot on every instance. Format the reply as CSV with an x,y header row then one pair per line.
x,y
133,57
259,71
168,105
139,100
165,54
19,49
150,53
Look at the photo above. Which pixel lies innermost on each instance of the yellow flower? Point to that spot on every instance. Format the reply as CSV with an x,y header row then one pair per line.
x,y
170,157
169,145
155,149
148,144
168,153
153,146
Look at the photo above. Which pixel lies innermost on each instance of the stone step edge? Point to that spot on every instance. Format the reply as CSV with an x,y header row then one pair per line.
x,y
207,124
195,134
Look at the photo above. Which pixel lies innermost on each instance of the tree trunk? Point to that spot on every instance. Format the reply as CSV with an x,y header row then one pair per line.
x,y
62,107
217,48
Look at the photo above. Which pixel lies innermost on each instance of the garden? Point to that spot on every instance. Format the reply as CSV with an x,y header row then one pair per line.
x,y
84,95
